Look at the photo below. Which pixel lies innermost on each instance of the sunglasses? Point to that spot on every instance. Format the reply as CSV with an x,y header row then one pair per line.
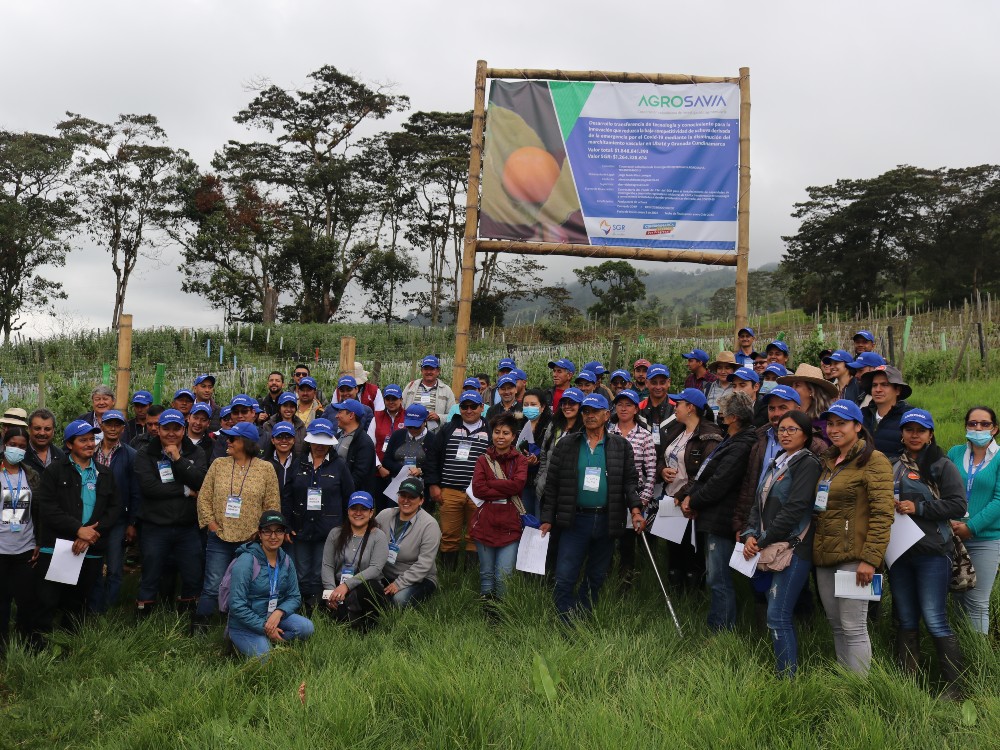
x,y
468,407
271,532
973,424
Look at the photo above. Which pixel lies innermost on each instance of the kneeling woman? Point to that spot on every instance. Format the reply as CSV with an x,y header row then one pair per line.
x,y
264,592
930,491
353,558
414,540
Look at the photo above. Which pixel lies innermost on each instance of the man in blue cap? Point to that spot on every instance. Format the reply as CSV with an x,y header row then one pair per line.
x,y
182,401
745,353
386,422
865,363
777,353
656,412
509,403
141,401
353,443
347,388
864,341
698,375
309,406
198,426
204,391
302,371
562,374
241,409
431,392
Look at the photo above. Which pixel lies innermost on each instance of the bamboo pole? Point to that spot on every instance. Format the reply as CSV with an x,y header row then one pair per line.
x,y
471,231
743,205
124,362
348,345
606,251
600,75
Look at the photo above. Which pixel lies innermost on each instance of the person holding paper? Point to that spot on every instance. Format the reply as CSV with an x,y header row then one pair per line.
x,y
928,489
782,512
315,503
77,500
854,510
408,447
414,538
980,529
18,551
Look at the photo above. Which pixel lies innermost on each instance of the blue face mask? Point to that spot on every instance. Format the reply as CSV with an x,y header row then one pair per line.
x,y
768,385
531,412
13,455
979,437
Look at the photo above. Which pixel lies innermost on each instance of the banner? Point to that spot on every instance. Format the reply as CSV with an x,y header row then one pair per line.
x,y
629,164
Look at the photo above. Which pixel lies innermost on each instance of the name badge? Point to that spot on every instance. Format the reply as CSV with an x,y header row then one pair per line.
x,y
412,460
385,443
346,572
272,604
425,399
15,527
656,436
592,479
463,451
233,504
314,498
166,471
393,551
822,496
91,486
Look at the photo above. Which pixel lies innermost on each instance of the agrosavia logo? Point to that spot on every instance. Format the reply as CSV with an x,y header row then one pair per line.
x,y
681,102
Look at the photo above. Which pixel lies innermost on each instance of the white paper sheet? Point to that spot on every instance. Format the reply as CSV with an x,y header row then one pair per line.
x,y
473,498
903,535
845,586
393,489
671,528
740,565
65,566
667,508
532,550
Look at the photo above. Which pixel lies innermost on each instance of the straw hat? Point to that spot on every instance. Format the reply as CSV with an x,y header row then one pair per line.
x,y
15,416
360,374
724,358
810,374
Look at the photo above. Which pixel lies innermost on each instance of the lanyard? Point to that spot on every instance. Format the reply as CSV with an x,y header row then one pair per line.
x,y
973,470
357,553
678,447
403,532
10,488
232,477
273,579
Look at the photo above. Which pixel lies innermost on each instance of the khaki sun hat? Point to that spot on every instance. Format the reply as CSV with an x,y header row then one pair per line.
x,y
810,374
724,358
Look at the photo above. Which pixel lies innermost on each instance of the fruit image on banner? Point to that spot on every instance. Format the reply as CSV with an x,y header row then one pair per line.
x,y
628,164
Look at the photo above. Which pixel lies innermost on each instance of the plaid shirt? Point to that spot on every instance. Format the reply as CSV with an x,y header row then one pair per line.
x,y
645,458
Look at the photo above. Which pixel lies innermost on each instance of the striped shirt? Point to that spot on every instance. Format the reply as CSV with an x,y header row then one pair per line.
x,y
465,446
645,458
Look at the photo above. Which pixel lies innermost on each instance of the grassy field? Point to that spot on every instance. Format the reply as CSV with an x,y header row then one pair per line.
x,y
442,677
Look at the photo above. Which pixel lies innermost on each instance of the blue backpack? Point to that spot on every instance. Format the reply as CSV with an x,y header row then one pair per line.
x,y
226,585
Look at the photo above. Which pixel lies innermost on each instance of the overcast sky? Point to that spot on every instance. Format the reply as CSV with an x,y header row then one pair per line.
x,y
839,90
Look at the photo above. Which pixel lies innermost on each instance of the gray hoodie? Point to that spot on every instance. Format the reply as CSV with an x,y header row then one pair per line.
x,y
418,548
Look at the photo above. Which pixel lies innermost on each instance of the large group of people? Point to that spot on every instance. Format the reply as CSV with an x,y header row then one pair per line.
x,y
279,509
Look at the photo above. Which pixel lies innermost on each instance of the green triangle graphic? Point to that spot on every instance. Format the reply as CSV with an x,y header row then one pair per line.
x,y
569,98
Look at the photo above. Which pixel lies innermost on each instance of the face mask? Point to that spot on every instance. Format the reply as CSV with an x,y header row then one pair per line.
x,y
532,412
16,455
768,385
976,437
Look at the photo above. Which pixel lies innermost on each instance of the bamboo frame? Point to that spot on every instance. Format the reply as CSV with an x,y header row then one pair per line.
x,y
606,251
123,375
743,206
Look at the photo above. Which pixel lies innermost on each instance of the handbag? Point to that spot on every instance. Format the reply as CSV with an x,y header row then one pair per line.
x,y
526,518
778,556
963,573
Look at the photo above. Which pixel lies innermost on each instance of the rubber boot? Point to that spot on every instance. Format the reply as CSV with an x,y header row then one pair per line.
x,y
951,665
143,609
449,560
908,650
199,625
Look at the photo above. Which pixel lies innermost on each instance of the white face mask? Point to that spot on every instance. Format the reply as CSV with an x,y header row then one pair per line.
x,y
13,454
768,385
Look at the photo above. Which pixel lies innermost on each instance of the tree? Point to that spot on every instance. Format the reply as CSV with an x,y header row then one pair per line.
x,y
126,176
36,215
617,285
384,273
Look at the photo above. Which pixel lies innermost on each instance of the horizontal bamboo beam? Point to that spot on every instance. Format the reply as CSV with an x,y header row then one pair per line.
x,y
606,251
599,75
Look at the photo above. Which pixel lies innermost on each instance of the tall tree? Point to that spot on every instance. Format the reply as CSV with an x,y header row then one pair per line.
x,y
126,175
384,274
617,285
36,215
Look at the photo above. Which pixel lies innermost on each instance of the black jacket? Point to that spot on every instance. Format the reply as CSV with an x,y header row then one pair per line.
x,y
713,494
164,503
788,505
336,485
400,438
888,434
57,511
32,461
559,503
361,461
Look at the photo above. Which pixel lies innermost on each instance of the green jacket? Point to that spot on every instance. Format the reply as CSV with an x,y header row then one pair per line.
x,y
855,525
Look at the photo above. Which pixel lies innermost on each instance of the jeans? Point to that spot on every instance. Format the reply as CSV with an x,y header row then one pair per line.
x,y
218,555
308,560
722,608
411,596
456,515
786,586
248,643
919,585
587,540
849,620
496,564
178,544
985,554
530,497
105,592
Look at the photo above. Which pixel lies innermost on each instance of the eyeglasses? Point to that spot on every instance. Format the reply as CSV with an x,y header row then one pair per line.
x,y
789,430
973,424
301,374
271,532
468,407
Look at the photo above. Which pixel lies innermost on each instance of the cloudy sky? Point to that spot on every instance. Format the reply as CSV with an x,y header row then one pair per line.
x,y
845,89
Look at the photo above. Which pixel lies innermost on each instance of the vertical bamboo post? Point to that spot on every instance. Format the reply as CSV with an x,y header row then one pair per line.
x,y
124,361
743,206
348,345
41,389
161,371
471,231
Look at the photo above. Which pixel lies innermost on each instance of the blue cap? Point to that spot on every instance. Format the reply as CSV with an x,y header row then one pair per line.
x,y
225,411
624,375
867,359
171,416
203,377
202,408
776,368
595,401
866,335
392,391
361,498
595,367
473,396
786,392
700,354
657,369
630,395
284,428
430,361
308,382
320,427
748,330
144,398
415,416
507,380
507,363
471,384
744,373
573,394
692,395
347,380
352,405
845,410
242,399
566,364
587,375
183,393
113,414
243,430
287,398
779,345
839,355
519,374
918,416
256,407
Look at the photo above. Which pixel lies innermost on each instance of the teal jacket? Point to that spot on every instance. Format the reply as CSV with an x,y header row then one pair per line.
x,y
984,500
248,596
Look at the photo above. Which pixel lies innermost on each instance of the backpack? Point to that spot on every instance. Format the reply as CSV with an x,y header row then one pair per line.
x,y
226,585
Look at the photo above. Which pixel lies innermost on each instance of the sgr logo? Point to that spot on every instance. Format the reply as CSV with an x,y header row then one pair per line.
x,y
681,102
605,227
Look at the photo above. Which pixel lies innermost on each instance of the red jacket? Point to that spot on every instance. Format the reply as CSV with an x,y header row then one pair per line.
x,y
384,427
367,394
496,522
